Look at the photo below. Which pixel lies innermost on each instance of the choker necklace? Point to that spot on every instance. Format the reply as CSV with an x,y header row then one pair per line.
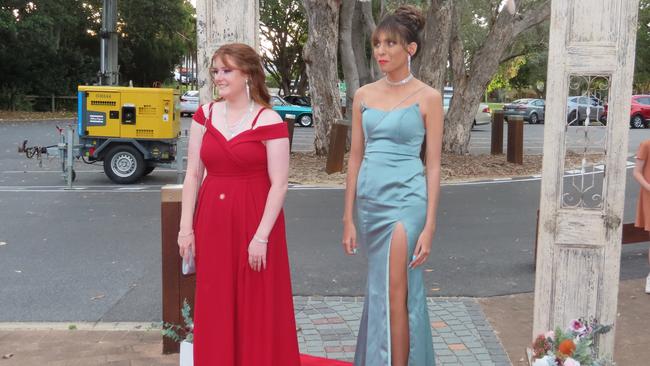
x,y
398,83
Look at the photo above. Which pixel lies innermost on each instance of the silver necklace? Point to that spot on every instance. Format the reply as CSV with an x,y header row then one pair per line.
x,y
236,127
398,83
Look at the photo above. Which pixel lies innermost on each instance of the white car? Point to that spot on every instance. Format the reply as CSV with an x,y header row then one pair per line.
x,y
189,102
483,114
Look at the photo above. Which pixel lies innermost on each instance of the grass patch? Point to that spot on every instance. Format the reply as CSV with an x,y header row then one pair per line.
x,y
495,106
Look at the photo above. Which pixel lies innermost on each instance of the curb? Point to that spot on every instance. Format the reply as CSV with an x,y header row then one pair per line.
x,y
84,326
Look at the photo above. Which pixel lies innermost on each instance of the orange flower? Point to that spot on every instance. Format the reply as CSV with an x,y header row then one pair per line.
x,y
567,347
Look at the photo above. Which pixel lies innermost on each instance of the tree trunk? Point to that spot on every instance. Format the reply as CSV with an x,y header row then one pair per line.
x,y
470,82
348,59
320,57
431,63
359,42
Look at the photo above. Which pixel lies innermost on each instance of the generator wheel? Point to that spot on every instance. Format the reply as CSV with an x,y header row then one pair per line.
x,y
124,164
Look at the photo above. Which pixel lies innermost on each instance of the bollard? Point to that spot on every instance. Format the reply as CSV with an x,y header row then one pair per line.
x,y
516,139
290,119
496,148
175,286
338,139
69,162
181,156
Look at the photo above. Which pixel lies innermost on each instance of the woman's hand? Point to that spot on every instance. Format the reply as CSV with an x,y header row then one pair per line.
x,y
349,237
422,249
186,244
257,255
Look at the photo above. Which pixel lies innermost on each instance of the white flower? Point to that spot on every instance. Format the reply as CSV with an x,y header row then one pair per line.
x,y
550,334
571,362
545,361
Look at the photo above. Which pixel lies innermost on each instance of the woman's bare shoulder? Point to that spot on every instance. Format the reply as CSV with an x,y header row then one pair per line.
x,y
268,117
368,90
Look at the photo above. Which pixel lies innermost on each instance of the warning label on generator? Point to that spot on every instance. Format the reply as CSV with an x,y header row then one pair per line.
x,y
96,118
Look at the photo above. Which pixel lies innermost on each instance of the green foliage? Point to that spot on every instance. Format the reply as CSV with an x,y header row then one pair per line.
x,y
532,74
45,48
507,71
154,36
50,47
642,62
283,29
178,332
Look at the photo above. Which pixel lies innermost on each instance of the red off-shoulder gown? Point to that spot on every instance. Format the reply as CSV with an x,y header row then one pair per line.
x,y
241,317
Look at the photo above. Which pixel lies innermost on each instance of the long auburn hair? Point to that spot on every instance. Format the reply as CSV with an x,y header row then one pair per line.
x,y
244,58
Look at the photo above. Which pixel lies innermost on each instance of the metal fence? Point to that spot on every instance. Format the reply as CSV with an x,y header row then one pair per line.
x,y
51,103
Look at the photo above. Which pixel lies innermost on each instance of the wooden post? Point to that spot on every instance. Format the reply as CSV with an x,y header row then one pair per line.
x,y
496,147
175,286
291,125
515,139
591,52
53,104
338,139
219,22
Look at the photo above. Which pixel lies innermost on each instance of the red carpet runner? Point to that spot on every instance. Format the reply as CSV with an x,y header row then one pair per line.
x,y
306,360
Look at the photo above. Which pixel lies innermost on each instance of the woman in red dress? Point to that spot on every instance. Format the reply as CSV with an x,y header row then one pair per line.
x,y
232,221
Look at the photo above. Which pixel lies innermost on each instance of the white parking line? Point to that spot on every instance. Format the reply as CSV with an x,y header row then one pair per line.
x,y
598,169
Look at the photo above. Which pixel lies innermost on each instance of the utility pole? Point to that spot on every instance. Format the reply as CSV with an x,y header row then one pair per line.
x,y
109,69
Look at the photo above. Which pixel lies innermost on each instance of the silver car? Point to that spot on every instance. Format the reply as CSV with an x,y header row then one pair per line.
x,y
483,115
531,109
577,109
189,102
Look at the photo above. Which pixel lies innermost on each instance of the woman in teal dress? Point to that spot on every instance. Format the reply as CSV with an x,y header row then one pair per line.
x,y
395,197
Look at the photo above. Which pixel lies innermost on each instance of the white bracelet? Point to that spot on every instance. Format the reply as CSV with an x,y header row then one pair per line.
x,y
184,235
260,240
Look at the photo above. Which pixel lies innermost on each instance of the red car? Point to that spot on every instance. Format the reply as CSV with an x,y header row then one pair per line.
x,y
639,112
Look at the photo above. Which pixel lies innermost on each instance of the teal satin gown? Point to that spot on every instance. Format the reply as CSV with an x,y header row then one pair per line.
x,y
391,189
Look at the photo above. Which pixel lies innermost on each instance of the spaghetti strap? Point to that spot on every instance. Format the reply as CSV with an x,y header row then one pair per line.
x,y
209,119
257,116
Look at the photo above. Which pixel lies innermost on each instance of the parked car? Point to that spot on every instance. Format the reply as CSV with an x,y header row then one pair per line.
x,y
577,109
531,109
639,112
483,115
300,100
189,102
302,114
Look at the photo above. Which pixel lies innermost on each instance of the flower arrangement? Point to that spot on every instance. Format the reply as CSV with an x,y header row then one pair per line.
x,y
572,347
181,333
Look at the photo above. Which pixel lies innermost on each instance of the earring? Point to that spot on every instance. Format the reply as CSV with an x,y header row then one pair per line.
x,y
409,63
248,90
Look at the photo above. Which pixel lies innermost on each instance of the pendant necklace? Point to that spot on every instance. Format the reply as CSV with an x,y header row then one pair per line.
x,y
236,127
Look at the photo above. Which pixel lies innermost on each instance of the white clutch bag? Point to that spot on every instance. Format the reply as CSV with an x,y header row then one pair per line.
x,y
188,267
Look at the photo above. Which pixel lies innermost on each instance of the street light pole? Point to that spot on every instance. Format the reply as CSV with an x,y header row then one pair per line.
x,y
108,72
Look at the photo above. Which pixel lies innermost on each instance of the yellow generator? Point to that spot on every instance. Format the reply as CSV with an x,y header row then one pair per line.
x,y
132,130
